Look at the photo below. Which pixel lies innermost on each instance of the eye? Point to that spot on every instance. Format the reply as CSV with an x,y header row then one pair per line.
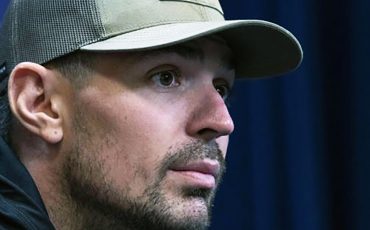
x,y
166,79
223,90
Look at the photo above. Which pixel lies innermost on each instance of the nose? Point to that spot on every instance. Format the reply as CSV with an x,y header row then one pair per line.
x,y
210,117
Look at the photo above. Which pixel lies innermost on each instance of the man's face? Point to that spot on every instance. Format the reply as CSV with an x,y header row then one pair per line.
x,y
148,138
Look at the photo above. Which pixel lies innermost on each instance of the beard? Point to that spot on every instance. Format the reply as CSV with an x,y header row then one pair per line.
x,y
95,203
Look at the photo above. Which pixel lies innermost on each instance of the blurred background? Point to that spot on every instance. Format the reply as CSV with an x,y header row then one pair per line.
x,y
299,158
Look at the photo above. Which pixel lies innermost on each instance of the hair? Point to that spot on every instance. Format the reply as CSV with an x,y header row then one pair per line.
x,y
76,67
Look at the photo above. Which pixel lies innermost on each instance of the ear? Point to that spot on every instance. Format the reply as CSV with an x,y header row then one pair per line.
x,y
31,98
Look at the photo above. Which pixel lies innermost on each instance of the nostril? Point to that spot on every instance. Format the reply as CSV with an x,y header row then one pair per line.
x,y
208,134
205,131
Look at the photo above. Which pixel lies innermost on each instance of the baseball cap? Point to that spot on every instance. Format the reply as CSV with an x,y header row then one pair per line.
x,y
42,30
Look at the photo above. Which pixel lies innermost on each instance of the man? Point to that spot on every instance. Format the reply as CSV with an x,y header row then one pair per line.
x,y
117,114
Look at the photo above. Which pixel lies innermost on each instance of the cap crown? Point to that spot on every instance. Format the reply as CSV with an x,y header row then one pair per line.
x,y
41,30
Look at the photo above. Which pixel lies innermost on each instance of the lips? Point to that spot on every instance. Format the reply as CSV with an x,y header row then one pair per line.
x,y
201,173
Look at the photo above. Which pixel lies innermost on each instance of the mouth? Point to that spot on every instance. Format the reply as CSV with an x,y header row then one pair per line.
x,y
198,174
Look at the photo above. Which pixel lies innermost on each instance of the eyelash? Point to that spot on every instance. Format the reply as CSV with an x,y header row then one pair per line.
x,y
156,78
176,82
225,86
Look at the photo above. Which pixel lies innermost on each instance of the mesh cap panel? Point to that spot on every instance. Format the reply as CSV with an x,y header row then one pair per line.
x,y
48,31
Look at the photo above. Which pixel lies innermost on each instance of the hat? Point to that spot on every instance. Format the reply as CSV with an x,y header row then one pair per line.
x,y
42,30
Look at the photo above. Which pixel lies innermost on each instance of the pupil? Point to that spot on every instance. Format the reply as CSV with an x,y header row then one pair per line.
x,y
166,79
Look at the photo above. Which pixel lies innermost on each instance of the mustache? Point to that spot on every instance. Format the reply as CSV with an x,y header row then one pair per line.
x,y
194,151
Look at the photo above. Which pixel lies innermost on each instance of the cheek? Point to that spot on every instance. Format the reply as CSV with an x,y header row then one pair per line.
x,y
223,143
130,137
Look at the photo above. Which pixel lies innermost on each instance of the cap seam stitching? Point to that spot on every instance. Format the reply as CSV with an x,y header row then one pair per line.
x,y
136,28
103,15
197,3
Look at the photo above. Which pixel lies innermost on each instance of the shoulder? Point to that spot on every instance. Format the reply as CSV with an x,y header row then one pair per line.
x,y
21,206
19,211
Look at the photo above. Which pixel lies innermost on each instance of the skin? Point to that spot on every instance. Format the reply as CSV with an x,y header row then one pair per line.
x,y
111,154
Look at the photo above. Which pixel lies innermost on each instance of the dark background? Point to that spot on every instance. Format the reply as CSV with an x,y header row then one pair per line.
x,y
299,158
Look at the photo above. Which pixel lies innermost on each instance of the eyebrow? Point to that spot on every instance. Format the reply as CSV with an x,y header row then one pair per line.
x,y
182,50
